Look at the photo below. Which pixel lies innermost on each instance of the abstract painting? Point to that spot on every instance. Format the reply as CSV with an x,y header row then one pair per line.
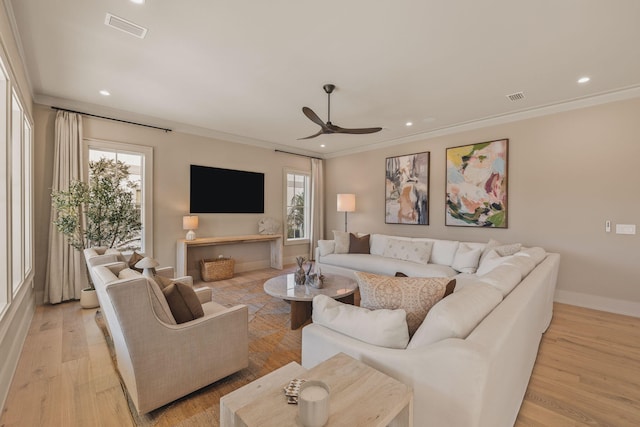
x,y
477,185
407,189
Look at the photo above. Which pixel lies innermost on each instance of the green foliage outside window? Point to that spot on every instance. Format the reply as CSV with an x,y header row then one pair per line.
x,y
101,212
295,217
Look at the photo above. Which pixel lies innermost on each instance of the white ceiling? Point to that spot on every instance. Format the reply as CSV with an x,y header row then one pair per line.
x,y
242,70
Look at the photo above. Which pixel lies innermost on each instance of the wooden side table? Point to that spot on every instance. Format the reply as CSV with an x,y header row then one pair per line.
x,y
359,396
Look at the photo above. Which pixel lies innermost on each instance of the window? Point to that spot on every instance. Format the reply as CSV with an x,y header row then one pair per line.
x,y
140,160
17,170
297,214
4,196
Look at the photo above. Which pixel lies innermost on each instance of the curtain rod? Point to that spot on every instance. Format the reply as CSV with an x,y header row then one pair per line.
x,y
111,118
296,154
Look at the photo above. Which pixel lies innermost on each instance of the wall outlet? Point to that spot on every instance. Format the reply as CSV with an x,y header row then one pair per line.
x,y
625,229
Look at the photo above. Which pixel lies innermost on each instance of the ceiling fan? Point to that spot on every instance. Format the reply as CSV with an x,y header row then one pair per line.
x,y
328,128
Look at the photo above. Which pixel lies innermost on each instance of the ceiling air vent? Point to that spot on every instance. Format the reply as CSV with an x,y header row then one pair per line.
x,y
516,96
126,26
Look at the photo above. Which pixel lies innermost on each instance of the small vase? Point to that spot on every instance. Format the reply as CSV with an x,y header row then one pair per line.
x,y
299,276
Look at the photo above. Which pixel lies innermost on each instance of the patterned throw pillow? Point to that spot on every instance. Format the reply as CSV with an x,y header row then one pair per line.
x,y
416,295
415,251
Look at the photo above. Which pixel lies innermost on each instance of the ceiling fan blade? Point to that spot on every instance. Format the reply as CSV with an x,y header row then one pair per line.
x,y
313,117
320,132
338,129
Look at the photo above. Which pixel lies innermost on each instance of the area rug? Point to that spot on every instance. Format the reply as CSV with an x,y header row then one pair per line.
x,y
272,344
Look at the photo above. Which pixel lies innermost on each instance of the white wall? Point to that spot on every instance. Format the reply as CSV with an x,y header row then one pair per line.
x,y
568,173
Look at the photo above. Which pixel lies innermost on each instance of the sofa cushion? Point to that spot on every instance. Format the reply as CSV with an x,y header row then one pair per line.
x,y
358,245
524,264
163,281
466,259
457,315
506,250
341,239
416,295
415,251
536,253
444,251
504,277
128,273
490,261
326,247
379,242
384,328
387,266
183,302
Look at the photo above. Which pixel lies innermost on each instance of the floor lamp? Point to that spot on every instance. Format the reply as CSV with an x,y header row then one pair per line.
x,y
346,203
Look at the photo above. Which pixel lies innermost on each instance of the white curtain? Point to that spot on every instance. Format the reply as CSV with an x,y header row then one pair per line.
x,y
66,272
317,205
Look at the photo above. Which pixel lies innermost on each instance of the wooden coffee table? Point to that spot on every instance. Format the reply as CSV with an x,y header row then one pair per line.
x,y
359,396
301,296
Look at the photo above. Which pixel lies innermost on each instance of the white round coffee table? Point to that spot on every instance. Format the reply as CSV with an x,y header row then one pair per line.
x,y
338,287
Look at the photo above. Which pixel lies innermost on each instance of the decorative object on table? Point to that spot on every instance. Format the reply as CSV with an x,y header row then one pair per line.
x,y
190,222
477,185
217,269
292,389
314,280
148,265
268,226
407,189
313,403
346,203
300,276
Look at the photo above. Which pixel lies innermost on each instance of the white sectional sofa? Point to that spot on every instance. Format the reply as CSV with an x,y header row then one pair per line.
x,y
470,360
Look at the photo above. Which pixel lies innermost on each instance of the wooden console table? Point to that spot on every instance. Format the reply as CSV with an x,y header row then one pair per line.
x,y
183,246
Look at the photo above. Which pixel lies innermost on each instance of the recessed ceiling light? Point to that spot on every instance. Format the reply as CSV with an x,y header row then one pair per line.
x,y
409,124
583,79
137,1
105,92
322,145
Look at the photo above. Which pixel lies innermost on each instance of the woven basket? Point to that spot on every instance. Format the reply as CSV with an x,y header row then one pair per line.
x,y
216,269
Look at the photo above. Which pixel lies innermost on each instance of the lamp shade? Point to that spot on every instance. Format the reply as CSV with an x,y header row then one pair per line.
x,y
190,222
346,202
147,262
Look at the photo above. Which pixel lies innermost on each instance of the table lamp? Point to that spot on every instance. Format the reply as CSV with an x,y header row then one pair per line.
x,y
148,265
190,222
346,203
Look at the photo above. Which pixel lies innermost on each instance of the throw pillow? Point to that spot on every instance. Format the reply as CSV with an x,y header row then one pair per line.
x,y
416,295
326,247
358,245
128,273
456,316
419,251
450,287
133,260
183,302
466,259
400,274
342,241
384,328
506,250
490,261
164,281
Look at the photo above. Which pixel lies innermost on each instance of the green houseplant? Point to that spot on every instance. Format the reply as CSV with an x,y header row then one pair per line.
x,y
100,212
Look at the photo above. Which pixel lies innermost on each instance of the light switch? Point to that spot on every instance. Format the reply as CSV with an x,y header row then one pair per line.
x,y
607,226
625,229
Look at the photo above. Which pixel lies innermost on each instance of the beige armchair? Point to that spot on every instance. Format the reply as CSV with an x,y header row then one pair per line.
x,y
160,361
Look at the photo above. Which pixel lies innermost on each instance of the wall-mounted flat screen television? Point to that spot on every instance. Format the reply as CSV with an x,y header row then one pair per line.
x,y
216,190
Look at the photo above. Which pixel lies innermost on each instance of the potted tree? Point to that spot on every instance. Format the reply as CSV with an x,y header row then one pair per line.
x,y
100,212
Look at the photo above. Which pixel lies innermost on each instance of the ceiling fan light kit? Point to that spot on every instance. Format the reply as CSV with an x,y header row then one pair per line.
x,y
328,127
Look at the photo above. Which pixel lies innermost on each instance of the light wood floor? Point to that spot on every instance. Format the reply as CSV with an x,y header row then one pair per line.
x,y
587,372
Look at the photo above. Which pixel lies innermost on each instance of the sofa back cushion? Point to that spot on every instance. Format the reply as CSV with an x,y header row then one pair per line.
x,y
409,250
457,315
384,328
504,278
326,247
416,295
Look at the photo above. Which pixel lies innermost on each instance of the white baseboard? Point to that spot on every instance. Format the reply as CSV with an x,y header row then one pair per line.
x,y
628,308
